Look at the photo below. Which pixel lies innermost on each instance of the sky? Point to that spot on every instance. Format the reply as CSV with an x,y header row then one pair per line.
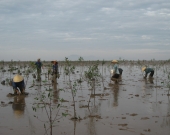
x,y
92,29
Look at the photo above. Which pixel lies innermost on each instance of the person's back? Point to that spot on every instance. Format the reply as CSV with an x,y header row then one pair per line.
x,y
18,82
147,71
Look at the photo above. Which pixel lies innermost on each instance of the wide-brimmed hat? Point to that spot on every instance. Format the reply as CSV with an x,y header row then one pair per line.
x,y
143,68
114,61
18,78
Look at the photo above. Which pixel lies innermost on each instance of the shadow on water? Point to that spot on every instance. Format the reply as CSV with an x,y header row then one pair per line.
x,y
115,89
55,93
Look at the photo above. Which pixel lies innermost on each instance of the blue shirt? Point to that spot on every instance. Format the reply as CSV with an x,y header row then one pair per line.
x,y
115,68
55,68
38,64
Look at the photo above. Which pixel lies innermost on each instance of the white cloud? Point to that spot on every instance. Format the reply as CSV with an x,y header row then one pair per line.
x,y
146,37
78,39
81,26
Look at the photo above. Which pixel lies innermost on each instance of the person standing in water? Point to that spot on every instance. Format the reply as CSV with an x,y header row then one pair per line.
x,y
55,69
38,66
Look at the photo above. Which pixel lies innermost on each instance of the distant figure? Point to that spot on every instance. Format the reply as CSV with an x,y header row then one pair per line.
x,y
147,71
54,67
55,70
115,70
38,66
18,84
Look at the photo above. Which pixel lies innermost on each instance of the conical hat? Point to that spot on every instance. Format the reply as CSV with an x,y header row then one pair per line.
x,y
54,61
114,61
17,78
143,68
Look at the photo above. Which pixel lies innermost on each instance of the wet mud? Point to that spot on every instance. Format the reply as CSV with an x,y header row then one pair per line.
x,y
131,106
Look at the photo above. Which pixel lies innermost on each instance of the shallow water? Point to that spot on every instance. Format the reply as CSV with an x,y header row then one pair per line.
x,y
133,106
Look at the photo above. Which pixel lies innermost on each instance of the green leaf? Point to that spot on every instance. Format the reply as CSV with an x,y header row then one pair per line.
x,y
61,100
64,114
58,105
36,98
61,90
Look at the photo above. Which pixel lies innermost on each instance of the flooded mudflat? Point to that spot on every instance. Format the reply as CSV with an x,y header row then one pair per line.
x,y
133,106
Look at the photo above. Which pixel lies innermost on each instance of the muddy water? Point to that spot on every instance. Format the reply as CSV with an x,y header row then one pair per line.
x,y
133,106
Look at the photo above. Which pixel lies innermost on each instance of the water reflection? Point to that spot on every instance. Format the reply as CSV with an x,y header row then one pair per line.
x,y
148,85
149,80
18,106
166,119
93,114
115,89
55,93
75,126
91,126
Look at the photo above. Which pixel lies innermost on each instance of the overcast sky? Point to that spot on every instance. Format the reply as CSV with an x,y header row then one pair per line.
x,y
93,29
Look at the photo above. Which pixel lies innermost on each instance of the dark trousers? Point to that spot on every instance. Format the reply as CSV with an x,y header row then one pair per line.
x,y
116,76
38,73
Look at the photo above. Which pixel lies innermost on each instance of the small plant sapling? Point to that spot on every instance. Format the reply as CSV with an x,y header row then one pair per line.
x,y
45,102
91,75
73,92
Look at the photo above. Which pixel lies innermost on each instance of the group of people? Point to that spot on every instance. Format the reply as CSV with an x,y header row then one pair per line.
x,y
117,72
18,81
19,84
39,66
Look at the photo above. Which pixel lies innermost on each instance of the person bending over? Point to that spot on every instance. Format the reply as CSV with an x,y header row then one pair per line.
x,y
147,71
18,84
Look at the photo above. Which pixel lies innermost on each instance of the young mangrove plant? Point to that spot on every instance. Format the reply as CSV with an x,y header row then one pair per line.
x,y
73,92
103,62
68,69
80,60
44,101
166,82
92,75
